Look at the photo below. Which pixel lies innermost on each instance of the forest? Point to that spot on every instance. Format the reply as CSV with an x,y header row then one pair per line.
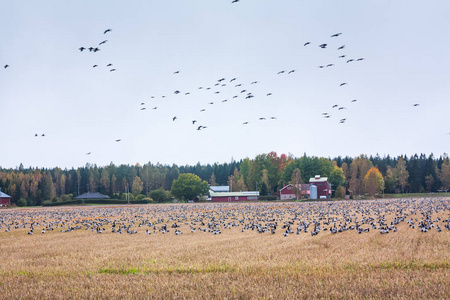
x,y
267,173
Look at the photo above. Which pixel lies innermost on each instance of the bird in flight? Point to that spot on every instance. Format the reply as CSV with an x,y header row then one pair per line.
x,y
203,110
176,72
103,42
88,153
232,79
234,1
174,118
81,49
254,82
176,92
112,70
342,56
307,43
118,140
354,100
360,59
291,71
330,65
155,107
95,66
142,103
269,94
281,72
350,60
245,123
211,102
273,118
143,108
341,47
224,100
342,84
235,96
417,104
42,134
193,122
323,46
109,65
107,30
327,116
199,127
336,34
262,119
342,120
96,49
324,114
335,106
341,108
35,134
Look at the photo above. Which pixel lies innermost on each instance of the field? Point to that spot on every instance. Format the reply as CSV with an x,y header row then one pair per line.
x,y
228,251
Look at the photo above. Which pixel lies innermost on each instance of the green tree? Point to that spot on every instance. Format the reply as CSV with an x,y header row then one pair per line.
x,y
159,195
188,186
137,186
401,174
389,181
340,192
336,177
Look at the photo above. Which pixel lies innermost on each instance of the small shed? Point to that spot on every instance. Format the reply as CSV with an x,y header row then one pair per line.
x,y
5,200
323,187
92,196
234,196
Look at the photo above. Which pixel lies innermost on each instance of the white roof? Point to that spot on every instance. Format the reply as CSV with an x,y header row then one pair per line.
x,y
220,188
3,195
321,179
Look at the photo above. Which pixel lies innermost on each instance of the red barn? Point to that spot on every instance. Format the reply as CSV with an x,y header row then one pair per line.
x,y
323,187
5,200
288,192
234,196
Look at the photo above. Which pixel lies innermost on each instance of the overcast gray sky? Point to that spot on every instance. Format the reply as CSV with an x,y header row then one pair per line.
x,y
52,88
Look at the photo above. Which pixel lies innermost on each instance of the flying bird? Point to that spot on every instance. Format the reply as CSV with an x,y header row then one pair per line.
x,y
336,34
324,114
88,153
224,100
96,49
307,43
176,92
101,43
354,100
341,47
143,108
42,134
327,116
187,93
193,122
262,119
254,82
417,104
90,49
176,72
235,96
342,56
155,107
330,65
342,120
232,79
107,30
342,84
112,70
202,110
174,118
95,66
291,71
35,134
6,66
350,60
245,123
281,72
199,127
360,59
269,94
234,1
109,65
118,140
81,49
341,108
273,118
335,106
323,46
142,103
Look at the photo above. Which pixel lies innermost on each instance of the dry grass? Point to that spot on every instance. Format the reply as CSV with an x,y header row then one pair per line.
x,y
233,265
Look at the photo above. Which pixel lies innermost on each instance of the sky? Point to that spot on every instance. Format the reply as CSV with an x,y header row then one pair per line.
x,y
157,48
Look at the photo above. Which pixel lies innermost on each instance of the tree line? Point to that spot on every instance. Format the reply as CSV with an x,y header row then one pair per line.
x,y
267,173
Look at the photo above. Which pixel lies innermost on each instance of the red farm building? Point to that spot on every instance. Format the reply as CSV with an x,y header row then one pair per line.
x,y
5,200
290,192
234,196
320,188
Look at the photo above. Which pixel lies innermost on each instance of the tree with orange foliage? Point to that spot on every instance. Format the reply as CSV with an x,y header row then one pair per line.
x,y
373,182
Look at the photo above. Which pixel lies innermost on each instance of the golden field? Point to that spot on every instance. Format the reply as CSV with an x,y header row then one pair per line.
x,y
83,264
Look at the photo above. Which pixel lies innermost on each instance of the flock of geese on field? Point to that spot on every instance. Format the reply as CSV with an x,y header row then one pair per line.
x,y
313,218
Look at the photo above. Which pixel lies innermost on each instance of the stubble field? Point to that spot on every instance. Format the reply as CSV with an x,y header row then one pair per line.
x,y
221,255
